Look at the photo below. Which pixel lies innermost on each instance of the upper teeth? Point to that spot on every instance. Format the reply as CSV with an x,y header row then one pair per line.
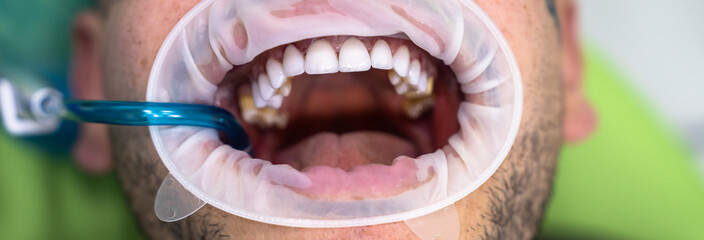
x,y
276,73
354,56
402,59
381,56
321,58
293,61
407,74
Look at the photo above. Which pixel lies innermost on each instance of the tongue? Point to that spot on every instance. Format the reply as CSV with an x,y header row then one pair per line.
x,y
346,151
355,165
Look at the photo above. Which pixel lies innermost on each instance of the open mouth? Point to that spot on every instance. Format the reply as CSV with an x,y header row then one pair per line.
x,y
359,112
350,103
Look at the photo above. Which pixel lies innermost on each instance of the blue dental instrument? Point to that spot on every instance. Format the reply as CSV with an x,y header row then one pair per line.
x,y
159,114
39,112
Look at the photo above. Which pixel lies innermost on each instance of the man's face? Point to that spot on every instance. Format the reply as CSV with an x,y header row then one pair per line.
x,y
509,205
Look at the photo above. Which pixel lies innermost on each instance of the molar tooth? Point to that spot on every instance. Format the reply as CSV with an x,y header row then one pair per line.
x,y
261,117
419,101
259,102
265,87
430,85
413,111
425,90
247,108
354,56
293,61
402,59
280,121
276,73
381,56
414,73
414,108
321,58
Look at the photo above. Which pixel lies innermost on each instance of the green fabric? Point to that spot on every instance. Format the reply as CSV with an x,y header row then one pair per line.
x,y
44,196
35,33
632,179
41,198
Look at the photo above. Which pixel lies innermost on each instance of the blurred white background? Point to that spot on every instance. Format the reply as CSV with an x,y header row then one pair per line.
x,y
659,46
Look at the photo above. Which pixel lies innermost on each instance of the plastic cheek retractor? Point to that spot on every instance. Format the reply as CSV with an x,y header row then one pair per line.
x,y
218,34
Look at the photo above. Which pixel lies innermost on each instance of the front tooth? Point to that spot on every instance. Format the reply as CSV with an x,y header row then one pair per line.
x,y
414,73
265,87
381,56
402,59
259,102
321,58
354,56
293,61
276,73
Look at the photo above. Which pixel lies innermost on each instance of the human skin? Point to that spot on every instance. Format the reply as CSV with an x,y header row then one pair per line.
x,y
115,48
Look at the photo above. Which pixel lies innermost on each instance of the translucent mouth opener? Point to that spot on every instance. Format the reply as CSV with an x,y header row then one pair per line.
x,y
40,112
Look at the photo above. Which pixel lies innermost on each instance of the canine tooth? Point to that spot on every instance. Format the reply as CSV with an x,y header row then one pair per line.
x,y
381,56
321,58
293,61
265,87
259,102
276,73
414,73
354,56
402,59
423,82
